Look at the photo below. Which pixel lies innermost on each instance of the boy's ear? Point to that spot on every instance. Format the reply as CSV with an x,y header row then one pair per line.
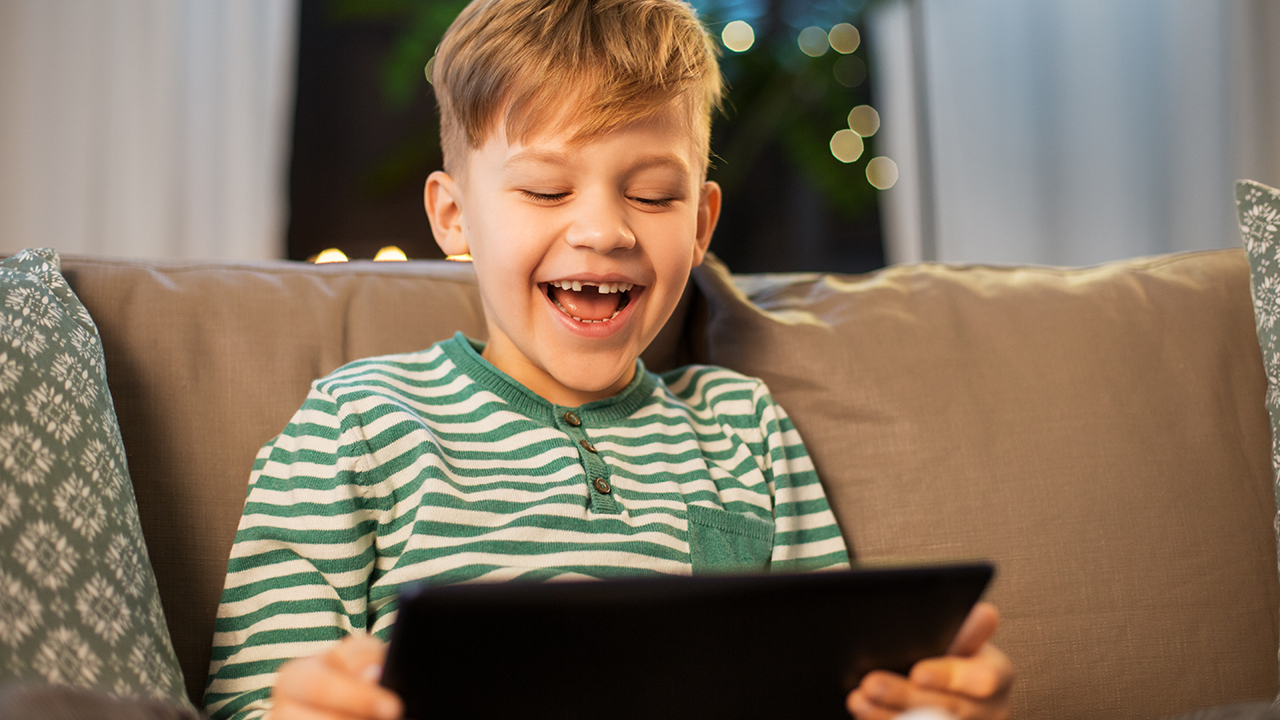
x,y
708,215
444,209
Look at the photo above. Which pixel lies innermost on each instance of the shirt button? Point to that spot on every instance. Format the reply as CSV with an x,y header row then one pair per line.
x,y
572,419
602,485
587,446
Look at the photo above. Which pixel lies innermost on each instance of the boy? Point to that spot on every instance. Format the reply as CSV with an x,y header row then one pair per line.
x,y
575,136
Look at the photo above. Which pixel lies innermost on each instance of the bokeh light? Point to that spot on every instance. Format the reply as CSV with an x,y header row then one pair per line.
x,y
850,71
882,173
431,66
846,145
331,255
813,41
864,120
390,253
738,36
844,38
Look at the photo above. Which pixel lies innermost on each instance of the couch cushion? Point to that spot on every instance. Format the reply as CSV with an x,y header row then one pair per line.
x,y
207,361
1098,432
78,600
1258,207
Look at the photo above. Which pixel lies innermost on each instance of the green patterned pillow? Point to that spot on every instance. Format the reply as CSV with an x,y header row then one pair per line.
x,y
78,599
1258,208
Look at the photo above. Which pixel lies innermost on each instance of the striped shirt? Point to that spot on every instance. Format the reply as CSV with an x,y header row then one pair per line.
x,y
436,466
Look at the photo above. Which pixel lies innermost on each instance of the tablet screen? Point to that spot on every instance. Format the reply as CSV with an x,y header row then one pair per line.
x,y
734,646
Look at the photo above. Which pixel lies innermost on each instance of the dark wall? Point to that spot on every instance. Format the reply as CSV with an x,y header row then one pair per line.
x,y
365,138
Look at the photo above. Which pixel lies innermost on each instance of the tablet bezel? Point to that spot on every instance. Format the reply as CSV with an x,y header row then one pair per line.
x,y
722,646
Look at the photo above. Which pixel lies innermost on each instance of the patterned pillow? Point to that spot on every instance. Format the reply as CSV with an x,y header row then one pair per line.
x,y
1258,208
78,600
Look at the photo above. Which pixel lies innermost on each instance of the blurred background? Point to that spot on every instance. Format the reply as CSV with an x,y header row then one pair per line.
x,y
857,133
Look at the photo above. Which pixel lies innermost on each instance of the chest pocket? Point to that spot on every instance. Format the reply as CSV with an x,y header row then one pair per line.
x,y
723,541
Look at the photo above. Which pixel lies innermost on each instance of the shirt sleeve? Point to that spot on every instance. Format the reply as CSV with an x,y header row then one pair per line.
x,y
806,536
298,575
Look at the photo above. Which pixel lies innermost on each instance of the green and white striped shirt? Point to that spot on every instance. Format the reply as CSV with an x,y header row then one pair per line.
x,y
435,466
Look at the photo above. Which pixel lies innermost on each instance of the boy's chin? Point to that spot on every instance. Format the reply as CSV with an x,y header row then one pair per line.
x,y
595,379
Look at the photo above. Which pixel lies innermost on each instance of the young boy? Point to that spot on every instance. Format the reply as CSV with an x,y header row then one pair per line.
x,y
575,136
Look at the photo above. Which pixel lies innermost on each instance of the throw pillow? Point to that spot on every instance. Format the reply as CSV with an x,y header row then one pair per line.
x,y
78,598
1258,208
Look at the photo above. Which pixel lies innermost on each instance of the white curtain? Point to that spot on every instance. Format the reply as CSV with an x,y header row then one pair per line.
x,y
1073,131
146,128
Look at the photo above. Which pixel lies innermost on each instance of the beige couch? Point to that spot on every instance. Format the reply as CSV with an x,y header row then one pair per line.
x,y
1099,433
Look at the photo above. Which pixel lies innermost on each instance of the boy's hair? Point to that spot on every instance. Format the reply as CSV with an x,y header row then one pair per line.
x,y
612,61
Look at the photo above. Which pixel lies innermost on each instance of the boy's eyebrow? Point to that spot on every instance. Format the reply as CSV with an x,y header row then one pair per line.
x,y
559,159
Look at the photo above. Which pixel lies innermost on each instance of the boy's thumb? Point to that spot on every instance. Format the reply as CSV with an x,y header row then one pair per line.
x,y
977,629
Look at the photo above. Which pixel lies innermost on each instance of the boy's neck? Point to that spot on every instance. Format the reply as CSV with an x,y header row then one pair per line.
x,y
546,386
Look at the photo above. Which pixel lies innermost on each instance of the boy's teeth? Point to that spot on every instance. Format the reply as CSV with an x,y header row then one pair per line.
x,y
602,288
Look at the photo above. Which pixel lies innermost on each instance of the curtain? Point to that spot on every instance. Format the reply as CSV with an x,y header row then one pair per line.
x,y
146,128
1073,132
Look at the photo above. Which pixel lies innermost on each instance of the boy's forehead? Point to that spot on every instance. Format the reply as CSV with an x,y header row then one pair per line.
x,y
560,138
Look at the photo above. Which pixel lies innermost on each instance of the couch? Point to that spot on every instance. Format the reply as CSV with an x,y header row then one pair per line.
x,y
1099,433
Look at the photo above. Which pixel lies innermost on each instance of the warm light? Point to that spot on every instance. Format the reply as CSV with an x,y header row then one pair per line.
x,y
844,38
331,255
431,64
850,71
738,36
813,41
864,120
846,145
390,253
882,173
464,257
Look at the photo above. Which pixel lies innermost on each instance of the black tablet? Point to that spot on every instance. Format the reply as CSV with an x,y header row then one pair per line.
x,y
734,646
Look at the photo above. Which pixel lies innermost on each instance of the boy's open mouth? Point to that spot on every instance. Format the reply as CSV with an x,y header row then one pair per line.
x,y
589,302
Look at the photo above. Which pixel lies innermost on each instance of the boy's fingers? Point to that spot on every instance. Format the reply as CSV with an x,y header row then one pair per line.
x,y
293,711
863,708
315,683
359,655
987,674
874,701
885,689
977,629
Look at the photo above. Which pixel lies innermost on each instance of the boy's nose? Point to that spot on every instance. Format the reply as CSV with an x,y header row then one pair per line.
x,y
600,228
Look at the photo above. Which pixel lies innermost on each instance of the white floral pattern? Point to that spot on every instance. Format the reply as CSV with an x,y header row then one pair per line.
x,y
103,609
80,507
20,609
66,659
1258,209
78,599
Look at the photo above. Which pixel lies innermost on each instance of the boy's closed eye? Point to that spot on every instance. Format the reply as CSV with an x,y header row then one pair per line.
x,y
543,197
656,200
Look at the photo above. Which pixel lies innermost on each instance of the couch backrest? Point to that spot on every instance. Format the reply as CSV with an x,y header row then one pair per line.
x,y
1099,432
207,361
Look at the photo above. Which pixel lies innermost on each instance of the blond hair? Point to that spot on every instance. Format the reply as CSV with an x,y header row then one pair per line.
x,y
619,61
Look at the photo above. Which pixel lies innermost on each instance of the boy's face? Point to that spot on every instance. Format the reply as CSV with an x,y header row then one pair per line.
x,y
549,223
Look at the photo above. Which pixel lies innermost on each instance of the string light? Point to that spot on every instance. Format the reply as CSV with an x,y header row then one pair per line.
x,y
882,173
332,255
864,120
813,41
390,253
846,145
850,71
738,36
844,38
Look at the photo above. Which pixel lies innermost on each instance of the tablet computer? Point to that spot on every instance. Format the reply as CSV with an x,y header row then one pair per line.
x,y
729,646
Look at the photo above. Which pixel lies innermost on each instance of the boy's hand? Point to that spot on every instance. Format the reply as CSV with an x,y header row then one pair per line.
x,y
971,683
338,684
